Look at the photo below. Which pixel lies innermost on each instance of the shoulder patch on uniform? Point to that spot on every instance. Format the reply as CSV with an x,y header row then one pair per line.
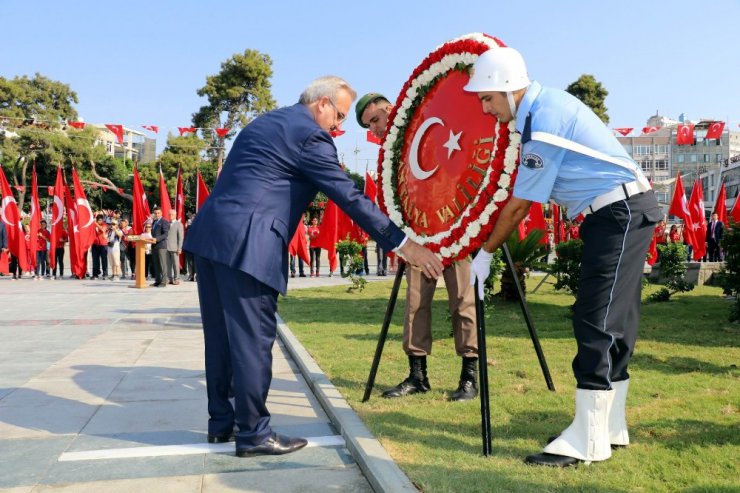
x,y
532,161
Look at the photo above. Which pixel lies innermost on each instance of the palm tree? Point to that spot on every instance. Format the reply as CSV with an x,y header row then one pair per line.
x,y
526,254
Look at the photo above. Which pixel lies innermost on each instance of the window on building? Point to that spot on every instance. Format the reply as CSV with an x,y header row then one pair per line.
x,y
645,165
643,150
718,157
661,164
707,158
680,158
693,158
661,149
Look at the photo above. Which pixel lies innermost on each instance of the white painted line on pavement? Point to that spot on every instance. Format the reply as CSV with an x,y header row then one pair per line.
x,y
186,449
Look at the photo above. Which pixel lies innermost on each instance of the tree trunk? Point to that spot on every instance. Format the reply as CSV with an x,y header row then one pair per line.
x,y
508,288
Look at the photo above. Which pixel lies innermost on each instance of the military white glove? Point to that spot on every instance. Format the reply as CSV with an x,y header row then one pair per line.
x,y
480,269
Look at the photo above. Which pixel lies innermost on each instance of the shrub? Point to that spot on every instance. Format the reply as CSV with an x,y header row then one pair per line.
x,y
672,271
567,265
350,256
729,276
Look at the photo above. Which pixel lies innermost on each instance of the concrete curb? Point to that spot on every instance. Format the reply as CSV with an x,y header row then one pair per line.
x,y
381,471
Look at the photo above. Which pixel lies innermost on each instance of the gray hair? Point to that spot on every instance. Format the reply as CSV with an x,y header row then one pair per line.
x,y
325,86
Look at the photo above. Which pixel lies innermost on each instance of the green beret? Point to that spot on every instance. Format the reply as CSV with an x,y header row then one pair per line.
x,y
362,104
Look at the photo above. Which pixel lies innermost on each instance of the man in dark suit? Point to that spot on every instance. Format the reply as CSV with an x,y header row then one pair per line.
x,y
715,232
240,241
160,231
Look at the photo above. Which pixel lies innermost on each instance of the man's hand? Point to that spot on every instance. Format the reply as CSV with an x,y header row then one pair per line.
x,y
481,269
421,258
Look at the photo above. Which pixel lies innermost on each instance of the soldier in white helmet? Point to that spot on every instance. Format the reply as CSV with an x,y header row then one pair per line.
x,y
569,156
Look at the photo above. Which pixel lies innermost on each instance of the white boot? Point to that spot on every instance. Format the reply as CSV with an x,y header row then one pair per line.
x,y
587,437
618,434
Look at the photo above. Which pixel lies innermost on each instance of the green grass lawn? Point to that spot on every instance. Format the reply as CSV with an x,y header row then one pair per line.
x,y
683,408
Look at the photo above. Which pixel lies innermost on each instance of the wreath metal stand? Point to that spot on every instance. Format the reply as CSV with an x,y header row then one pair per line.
x,y
482,355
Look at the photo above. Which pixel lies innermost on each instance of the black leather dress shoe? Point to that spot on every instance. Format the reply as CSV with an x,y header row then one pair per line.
x,y
275,445
552,460
220,438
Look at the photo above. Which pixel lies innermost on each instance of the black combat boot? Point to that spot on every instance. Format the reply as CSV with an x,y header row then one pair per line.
x,y
417,380
468,387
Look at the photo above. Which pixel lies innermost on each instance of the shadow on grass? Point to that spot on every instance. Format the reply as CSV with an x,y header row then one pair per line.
x,y
676,365
678,434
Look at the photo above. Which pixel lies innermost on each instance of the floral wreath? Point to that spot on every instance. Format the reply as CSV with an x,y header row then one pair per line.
x,y
476,221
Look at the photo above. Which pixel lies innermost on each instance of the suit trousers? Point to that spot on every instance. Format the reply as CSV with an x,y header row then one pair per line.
x,y
159,262
173,265
239,329
607,310
417,326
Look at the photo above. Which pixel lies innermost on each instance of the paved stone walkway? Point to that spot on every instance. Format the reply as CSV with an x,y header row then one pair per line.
x,y
102,388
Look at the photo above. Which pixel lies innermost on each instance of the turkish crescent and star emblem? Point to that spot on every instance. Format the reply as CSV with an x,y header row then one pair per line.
x,y
444,158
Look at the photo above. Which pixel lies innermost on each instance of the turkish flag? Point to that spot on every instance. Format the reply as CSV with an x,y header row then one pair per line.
x,y
680,208
76,256
77,125
11,216
298,245
151,128
117,131
371,189
649,130
558,225
141,212
85,218
164,197
57,213
202,192
735,212
222,132
372,138
186,130
328,234
699,219
535,220
720,208
180,197
685,135
715,130
338,132
624,131
35,220
653,251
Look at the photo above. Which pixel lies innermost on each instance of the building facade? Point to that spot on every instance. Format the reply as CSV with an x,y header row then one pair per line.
x,y
136,146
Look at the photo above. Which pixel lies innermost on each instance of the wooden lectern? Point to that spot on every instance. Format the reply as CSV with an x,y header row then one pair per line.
x,y
140,273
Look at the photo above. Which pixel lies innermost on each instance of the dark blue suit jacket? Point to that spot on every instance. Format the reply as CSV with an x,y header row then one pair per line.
x,y
276,166
160,230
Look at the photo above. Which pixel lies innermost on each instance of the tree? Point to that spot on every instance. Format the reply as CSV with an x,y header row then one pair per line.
x,y
526,254
238,93
592,94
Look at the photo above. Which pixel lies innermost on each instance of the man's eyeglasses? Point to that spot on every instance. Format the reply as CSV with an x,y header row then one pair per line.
x,y
340,116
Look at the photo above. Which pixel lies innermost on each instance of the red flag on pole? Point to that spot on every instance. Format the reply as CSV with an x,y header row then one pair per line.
x,y
180,197
151,128
117,131
715,130
653,251
186,130
720,208
649,130
735,212
699,220
57,213
202,192
222,132
11,216
141,212
164,197
35,222
371,189
558,225
535,219
685,135
680,208
77,125
624,131
372,138
76,256
298,245
85,218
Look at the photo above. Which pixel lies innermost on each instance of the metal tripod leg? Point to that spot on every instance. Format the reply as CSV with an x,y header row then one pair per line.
x,y
384,331
528,319
485,409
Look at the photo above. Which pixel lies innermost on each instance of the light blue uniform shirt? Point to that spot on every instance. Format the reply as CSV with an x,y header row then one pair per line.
x,y
547,171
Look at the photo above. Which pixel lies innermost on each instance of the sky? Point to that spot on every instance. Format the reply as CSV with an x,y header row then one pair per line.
x,y
141,62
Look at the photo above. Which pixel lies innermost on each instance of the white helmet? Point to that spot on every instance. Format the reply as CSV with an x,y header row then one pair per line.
x,y
498,69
